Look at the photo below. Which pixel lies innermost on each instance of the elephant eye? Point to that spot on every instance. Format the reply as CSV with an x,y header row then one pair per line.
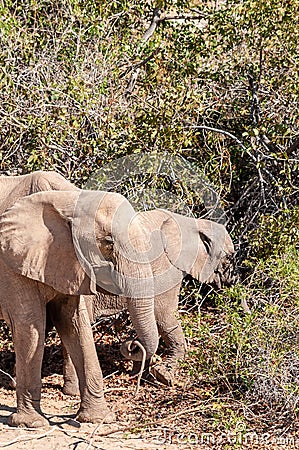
x,y
106,242
109,240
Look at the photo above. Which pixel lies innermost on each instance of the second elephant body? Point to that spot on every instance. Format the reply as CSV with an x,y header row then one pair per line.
x,y
180,246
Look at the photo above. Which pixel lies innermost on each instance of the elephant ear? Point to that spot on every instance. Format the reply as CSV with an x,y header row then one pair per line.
x,y
36,241
195,246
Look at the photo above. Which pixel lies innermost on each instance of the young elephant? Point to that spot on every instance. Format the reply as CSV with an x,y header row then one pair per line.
x,y
56,247
180,246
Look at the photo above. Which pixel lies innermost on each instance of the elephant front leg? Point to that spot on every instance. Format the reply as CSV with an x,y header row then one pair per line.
x,y
28,341
174,339
172,334
71,319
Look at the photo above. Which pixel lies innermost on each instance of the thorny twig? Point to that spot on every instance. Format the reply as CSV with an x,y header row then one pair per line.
x,y
8,375
138,344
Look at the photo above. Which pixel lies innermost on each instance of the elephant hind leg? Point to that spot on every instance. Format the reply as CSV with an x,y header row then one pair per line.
x,y
175,342
70,379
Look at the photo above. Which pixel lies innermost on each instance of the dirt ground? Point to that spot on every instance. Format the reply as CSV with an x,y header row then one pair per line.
x,y
158,418
64,431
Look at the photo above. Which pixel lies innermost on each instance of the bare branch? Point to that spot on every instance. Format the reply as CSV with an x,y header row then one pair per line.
x,y
256,160
255,105
140,64
265,141
142,365
155,20
149,32
226,133
183,17
9,376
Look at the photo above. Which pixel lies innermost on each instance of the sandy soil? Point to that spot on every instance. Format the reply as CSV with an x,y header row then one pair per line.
x,y
64,431
159,418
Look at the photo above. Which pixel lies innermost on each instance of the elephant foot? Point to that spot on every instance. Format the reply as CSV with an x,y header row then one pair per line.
x,y
30,419
164,373
98,414
71,389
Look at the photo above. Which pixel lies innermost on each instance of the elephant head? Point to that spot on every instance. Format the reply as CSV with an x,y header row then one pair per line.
x,y
198,247
184,245
80,242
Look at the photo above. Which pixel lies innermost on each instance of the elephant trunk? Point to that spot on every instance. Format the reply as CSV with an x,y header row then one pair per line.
x,y
143,320
137,283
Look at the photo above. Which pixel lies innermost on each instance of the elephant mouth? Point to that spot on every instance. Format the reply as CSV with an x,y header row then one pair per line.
x,y
225,273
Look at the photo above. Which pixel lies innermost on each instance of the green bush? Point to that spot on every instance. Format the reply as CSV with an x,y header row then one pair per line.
x,y
275,234
253,357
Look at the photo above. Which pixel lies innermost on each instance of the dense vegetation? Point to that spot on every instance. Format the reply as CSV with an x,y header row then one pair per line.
x,y
215,83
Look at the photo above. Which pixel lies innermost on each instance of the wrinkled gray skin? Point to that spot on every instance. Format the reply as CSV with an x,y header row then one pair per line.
x,y
39,267
206,251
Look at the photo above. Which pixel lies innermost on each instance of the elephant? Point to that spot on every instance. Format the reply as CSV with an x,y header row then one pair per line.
x,y
55,248
182,245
